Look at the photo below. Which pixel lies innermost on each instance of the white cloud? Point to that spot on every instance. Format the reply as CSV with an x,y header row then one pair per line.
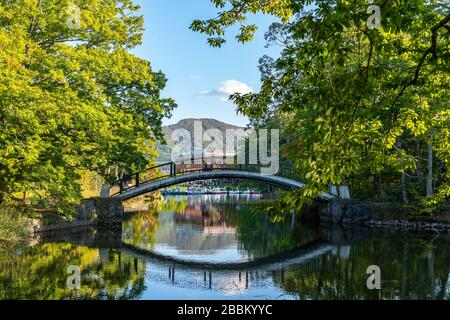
x,y
230,87
227,88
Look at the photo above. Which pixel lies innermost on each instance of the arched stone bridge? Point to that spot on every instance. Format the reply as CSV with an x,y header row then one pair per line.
x,y
169,174
108,209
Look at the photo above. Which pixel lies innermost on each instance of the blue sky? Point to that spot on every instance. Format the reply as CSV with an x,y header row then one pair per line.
x,y
199,77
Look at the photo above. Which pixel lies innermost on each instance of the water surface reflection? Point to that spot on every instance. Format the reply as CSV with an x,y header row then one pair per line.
x,y
215,248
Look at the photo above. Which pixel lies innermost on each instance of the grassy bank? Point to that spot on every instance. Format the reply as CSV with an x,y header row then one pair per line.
x,y
13,225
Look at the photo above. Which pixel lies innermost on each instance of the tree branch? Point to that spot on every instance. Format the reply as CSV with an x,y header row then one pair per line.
x,y
431,50
363,91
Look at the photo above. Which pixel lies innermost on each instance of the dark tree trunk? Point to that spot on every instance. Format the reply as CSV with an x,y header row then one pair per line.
x,y
404,181
419,173
405,189
430,170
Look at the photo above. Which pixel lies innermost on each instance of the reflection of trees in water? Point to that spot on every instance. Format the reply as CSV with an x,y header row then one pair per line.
x,y
411,268
40,273
140,229
260,237
213,225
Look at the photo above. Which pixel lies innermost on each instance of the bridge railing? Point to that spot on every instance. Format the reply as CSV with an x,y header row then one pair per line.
x,y
171,169
134,180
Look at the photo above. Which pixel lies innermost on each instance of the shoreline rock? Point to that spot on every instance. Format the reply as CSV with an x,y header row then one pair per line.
x,y
409,225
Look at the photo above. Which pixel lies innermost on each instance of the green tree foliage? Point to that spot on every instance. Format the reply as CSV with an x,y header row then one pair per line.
x,y
40,273
412,268
72,97
369,107
13,226
234,12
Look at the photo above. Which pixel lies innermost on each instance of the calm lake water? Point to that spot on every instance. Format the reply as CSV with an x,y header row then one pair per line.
x,y
216,247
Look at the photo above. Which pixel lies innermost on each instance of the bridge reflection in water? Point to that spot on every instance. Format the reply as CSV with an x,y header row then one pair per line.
x,y
232,278
205,245
225,281
205,248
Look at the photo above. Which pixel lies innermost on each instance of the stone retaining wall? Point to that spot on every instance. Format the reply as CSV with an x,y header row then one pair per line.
x,y
102,212
63,225
346,212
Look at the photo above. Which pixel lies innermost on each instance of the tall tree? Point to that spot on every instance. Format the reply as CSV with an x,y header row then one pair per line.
x,y
358,97
72,96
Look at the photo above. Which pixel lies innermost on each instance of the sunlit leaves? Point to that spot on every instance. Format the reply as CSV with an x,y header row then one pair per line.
x,y
358,102
235,13
73,99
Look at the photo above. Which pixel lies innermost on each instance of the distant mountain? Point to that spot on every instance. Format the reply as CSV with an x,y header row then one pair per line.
x,y
188,124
